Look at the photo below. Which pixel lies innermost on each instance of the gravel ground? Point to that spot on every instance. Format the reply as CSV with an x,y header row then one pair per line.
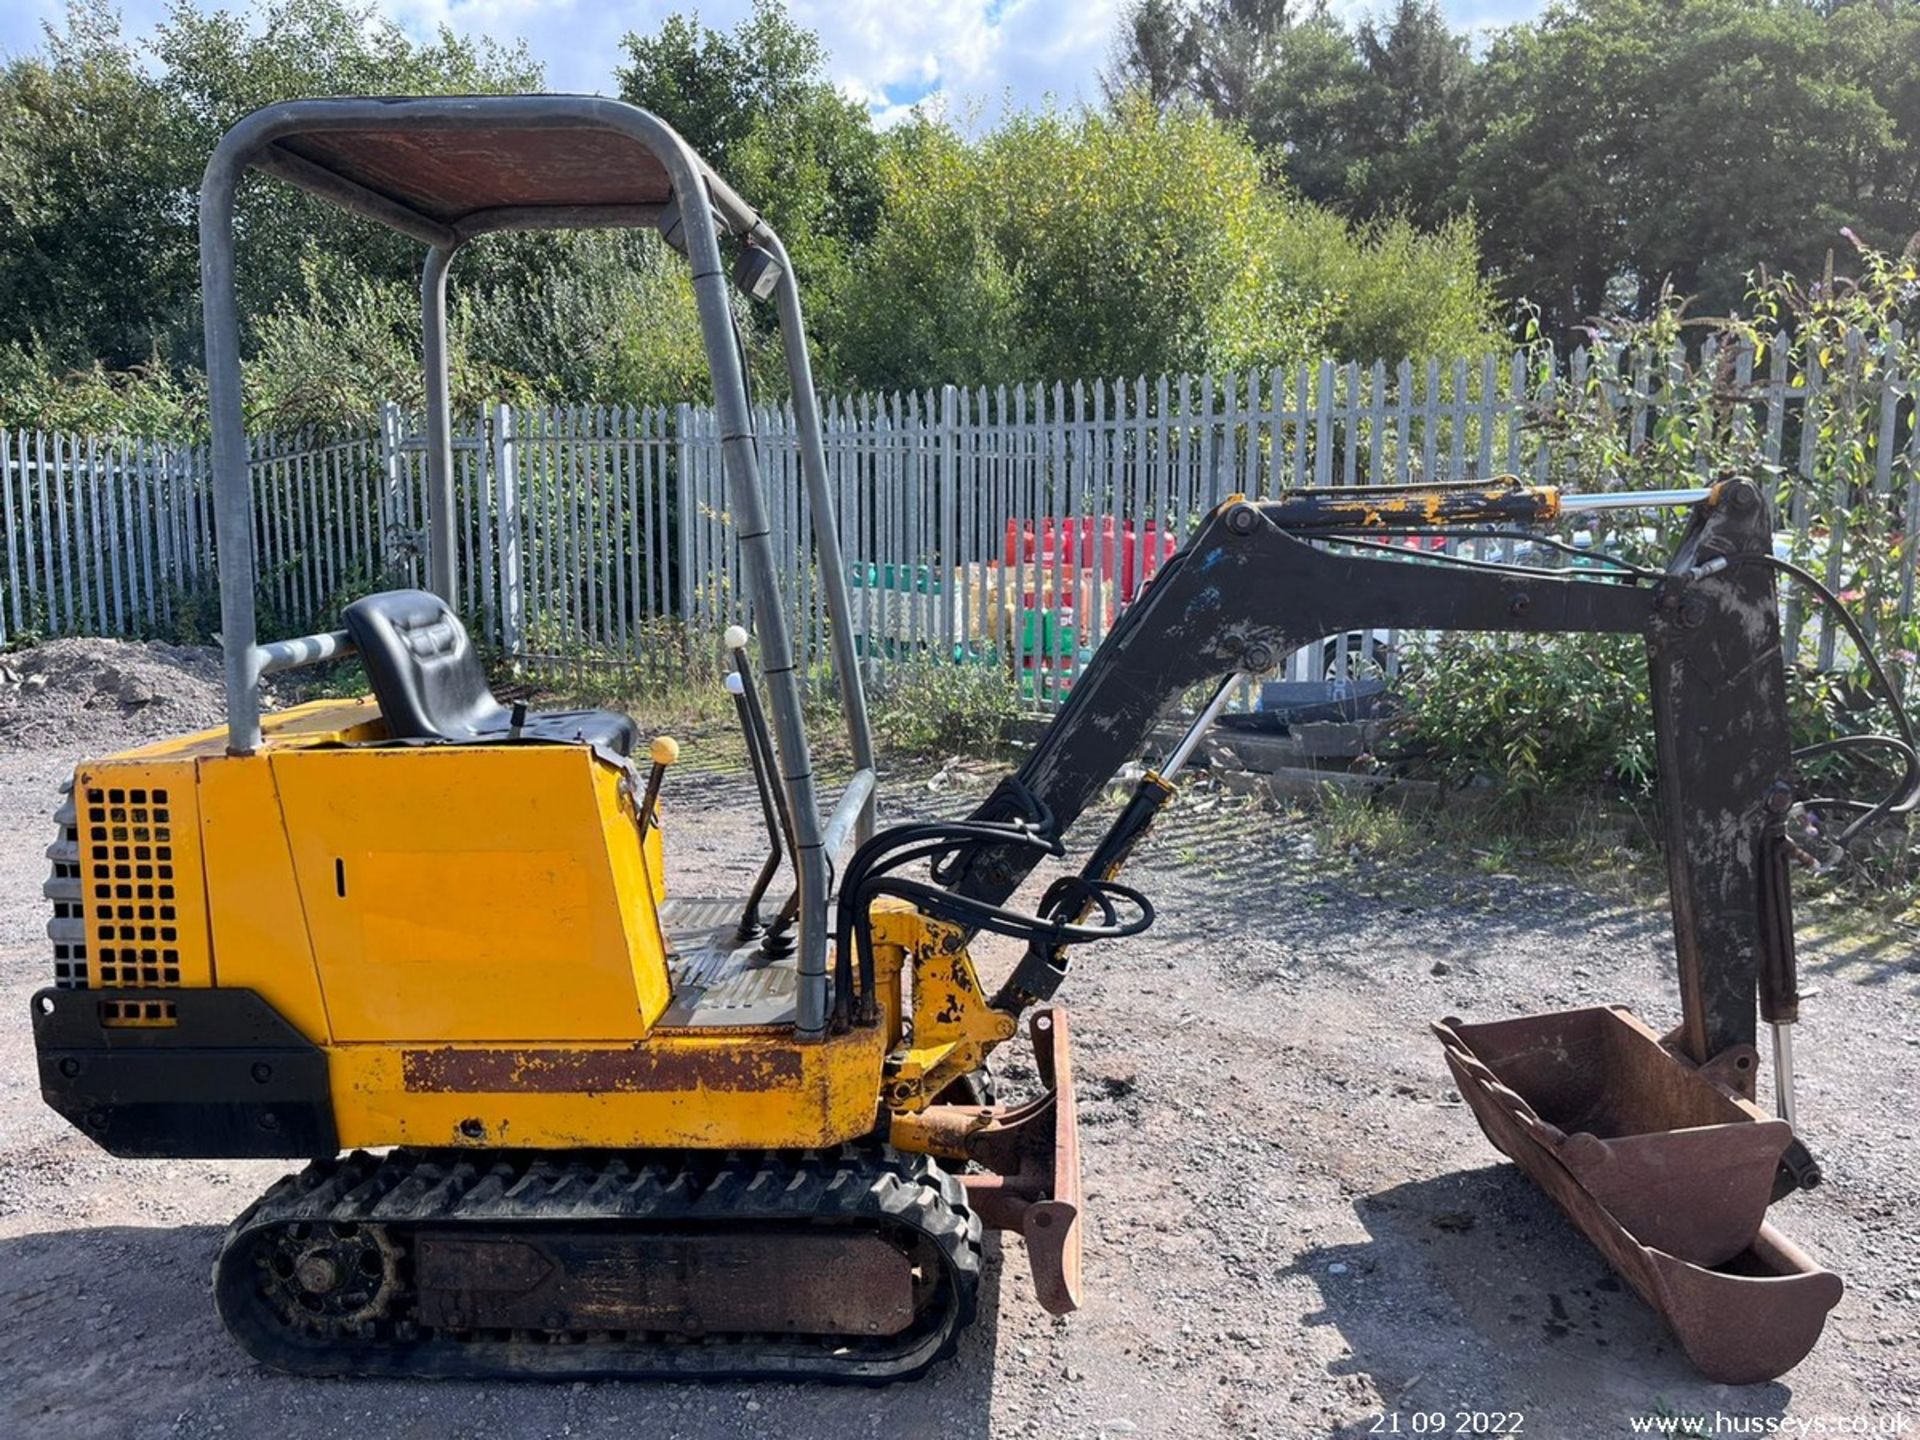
x,y
1295,1228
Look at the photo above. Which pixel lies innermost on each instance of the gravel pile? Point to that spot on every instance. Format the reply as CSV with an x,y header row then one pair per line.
x,y
90,695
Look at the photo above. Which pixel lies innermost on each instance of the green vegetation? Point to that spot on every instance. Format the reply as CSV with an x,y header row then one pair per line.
x,y
1542,714
1267,183
1557,715
929,709
1132,242
1609,150
1060,245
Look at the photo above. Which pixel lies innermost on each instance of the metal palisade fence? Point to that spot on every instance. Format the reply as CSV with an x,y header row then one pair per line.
x,y
1003,527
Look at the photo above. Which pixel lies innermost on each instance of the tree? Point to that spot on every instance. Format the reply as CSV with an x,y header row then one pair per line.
x,y
101,155
1549,167
96,252
1610,148
1368,120
1131,242
1285,72
219,65
1152,237
1623,146
756,104
1408,126
1156,55
1879,46
936,295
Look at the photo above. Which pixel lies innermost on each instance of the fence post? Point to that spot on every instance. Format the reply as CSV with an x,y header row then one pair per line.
x,y
392,500
684,511
14,582
507,532
950,575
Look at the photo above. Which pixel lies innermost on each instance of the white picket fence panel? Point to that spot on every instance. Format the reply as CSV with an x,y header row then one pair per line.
x,y
1007,526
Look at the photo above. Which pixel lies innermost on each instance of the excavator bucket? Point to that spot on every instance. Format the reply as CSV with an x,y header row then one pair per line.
x,y
1667,1170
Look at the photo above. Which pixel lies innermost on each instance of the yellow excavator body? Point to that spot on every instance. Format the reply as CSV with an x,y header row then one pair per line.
x,y
472,935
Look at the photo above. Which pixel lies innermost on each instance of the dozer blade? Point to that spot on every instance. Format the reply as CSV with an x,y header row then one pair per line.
x,y
1667,1172
1029,1156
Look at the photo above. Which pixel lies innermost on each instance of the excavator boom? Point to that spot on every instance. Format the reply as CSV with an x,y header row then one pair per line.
x,y
1252,586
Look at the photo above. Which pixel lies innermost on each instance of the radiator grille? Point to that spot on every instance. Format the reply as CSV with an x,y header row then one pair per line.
x,y
136,920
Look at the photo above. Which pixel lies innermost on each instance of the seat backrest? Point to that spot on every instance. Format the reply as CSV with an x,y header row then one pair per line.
x,y
423,667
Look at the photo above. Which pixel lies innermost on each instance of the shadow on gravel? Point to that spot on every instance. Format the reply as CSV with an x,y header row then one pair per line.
x,y
1473,1295
110,1332
1885,959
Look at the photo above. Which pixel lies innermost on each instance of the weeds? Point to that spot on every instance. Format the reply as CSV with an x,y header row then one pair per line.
x,y
932,709
1350,823
1598,840
1543,715
920,711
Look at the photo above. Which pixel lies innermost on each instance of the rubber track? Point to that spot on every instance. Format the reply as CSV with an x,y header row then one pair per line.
x,y
856,1185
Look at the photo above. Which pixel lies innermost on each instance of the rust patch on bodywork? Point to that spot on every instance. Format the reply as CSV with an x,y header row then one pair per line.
x,y
626,1070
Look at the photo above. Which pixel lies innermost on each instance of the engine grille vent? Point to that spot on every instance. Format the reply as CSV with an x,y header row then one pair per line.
x,y
130,877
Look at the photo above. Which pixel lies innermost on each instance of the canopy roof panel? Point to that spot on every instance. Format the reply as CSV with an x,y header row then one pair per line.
x,y
448,174
443,168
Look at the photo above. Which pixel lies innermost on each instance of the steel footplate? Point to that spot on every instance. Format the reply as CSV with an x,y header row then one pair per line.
x,y
855,1265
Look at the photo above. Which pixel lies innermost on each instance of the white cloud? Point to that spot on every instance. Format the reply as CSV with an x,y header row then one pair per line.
x,y
885,53
974,54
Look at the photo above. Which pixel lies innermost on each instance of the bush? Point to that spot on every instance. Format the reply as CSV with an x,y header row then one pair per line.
x,y
1125,243
149,400
1573,711
933,709
1392,291
1540,714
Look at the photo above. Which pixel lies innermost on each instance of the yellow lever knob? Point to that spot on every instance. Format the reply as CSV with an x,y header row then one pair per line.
x,y
664,750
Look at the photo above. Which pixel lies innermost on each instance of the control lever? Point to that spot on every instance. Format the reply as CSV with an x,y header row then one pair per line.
x,y
749,927
664,751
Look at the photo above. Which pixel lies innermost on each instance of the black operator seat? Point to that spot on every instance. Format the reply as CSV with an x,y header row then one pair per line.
x,y
431,686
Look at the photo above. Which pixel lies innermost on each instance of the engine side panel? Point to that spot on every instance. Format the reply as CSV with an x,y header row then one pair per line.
x,y
456,946
260,939
468,893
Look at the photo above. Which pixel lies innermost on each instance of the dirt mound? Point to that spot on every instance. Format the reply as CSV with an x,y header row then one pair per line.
x,y
89,695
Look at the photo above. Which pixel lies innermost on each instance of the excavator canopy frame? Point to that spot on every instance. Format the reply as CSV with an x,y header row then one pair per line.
x,y
444,170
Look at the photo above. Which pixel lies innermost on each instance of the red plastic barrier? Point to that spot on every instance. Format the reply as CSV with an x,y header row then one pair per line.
x,y
1120,552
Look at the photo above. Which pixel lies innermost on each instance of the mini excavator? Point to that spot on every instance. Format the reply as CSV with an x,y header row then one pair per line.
x,y
560,1123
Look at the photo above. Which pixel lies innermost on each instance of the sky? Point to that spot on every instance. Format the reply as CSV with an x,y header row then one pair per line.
x,y
975,55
